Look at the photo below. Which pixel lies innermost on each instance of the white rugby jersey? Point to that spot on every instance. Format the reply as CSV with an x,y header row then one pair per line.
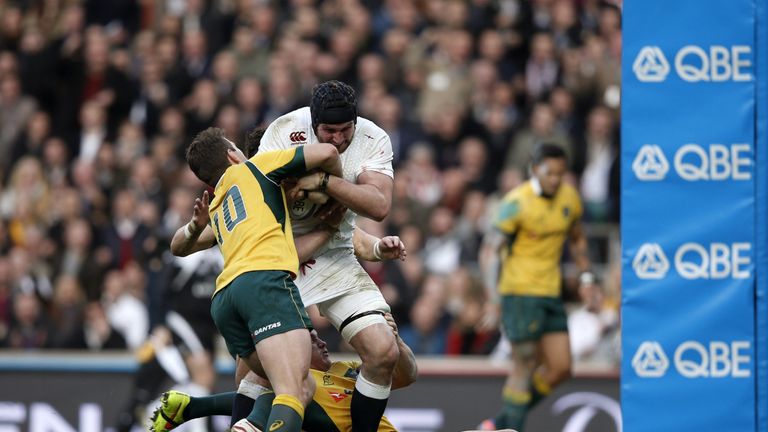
x,y
370,150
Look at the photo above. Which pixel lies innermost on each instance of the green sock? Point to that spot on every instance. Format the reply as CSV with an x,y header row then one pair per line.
x,y
217,404
287,414
261,409
515,407
539,389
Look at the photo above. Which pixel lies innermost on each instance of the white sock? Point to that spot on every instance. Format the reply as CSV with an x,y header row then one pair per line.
x,y
374,391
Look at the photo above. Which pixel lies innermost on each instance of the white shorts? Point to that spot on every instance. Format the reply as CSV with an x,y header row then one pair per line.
x,y
340,288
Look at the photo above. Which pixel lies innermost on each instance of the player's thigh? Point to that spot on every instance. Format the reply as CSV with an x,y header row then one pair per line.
x,y
285,358
555,351
554,344
356,310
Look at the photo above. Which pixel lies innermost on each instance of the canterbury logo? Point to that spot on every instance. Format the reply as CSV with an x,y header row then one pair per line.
x,y
276,425
298,137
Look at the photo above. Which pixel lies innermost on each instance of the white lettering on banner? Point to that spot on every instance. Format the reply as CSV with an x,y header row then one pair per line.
x,y
720,261
719,360
587,404
650,361
651,65
416,419
693,359
44,418
693,63
650,163
721,162
692,162
11,412
650,262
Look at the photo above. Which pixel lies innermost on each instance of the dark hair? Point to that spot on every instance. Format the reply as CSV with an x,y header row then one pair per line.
x,y
547,151
207,155
252,141
333,102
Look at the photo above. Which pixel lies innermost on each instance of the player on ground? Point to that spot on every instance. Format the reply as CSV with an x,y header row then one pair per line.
x,y
342,290
256,306
532,224
330,406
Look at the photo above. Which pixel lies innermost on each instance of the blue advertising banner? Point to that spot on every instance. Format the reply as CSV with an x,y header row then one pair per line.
x,y
688,215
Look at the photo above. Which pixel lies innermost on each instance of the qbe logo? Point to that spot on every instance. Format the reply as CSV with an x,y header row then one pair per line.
x,y
695,261
694,359
651,65
693,63
693,162
650,262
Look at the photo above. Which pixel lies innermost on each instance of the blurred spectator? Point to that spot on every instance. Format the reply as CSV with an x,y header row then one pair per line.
x,y
79,260
67,314
427,332
125,313
541,130
598,155
442,249
15,110
29,325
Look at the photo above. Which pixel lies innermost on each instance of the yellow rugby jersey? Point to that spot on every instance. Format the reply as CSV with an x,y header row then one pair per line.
x,y
537,229
332,402
249,215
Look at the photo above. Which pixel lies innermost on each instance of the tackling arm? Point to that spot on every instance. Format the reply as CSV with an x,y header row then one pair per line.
x,y
371,196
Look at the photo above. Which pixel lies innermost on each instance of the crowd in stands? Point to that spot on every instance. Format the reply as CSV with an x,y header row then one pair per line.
x,y
98,100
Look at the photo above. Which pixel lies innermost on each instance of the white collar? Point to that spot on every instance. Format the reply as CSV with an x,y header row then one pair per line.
x,y
536,186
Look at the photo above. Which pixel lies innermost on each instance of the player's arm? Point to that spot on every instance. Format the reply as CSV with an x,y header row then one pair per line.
x,y
489,260
307,244
368,247
371,196
406,370
196,235
324,157
577,242
505,225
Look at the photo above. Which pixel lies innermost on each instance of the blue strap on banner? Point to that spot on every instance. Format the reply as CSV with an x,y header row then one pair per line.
x,y
761,233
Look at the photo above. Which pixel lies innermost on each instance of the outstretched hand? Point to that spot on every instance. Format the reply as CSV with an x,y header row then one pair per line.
x,y
200,215
391,247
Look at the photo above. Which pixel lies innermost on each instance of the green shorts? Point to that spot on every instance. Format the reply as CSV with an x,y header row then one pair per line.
x,y
527,318
255,306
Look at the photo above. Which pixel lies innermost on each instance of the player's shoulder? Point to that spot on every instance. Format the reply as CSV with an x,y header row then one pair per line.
x,y
295,115
299,118
370,129
569,192
521,193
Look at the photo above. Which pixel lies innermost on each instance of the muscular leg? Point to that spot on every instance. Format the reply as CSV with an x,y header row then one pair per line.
x,y
516,394
285,359
555,366
378,351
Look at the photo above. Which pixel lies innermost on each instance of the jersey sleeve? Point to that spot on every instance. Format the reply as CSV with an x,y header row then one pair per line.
x,y
380,159
508,215
277,165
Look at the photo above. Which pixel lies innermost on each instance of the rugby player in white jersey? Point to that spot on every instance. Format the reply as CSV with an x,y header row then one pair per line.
x,y
336,283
